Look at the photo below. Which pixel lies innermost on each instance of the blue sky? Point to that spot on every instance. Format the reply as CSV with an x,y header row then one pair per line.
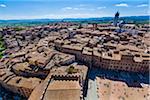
x,y
34,9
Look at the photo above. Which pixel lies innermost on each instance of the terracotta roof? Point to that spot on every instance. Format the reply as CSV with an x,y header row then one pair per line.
x,y
59,85
74,46
24,82
21,66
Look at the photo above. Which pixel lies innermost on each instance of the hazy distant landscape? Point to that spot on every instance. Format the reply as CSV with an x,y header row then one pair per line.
x,y
32,22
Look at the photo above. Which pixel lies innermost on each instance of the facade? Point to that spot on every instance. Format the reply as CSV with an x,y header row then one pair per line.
x,y
115,60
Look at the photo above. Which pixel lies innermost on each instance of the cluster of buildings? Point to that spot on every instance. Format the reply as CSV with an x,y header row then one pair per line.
x,y
51,62
17,84
107,49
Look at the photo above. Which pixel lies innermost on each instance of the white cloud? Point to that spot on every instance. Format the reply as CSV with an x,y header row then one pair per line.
x,y
92,9
67,8
72,8
101,7
83,5
142,5
3,5
122,5
76,8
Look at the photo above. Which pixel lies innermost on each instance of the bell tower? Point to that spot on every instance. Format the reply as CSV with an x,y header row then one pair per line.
x,y
116,19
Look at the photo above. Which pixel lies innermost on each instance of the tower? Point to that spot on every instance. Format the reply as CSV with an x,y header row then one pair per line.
x,y
94,26
116,19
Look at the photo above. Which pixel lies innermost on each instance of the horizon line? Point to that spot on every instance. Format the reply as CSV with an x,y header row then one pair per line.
x,y
70,18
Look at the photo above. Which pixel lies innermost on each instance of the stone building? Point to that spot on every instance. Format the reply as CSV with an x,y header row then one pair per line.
x,y
60,85
17,84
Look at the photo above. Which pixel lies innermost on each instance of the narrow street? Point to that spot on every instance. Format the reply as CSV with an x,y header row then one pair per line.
x,y
92,90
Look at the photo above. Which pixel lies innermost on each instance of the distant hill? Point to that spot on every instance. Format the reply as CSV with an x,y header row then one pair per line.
x,y
30,22
128,19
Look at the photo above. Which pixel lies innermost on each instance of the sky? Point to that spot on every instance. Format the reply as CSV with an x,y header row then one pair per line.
x,y
57,9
